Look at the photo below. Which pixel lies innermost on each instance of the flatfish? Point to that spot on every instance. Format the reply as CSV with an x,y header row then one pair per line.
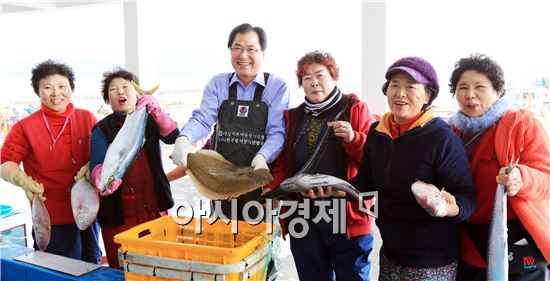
x,y
84,203
216,178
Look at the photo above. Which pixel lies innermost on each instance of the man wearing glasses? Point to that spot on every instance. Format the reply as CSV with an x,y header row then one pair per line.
x,y
247,107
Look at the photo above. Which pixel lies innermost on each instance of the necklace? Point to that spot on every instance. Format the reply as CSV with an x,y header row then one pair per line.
x,y
54,139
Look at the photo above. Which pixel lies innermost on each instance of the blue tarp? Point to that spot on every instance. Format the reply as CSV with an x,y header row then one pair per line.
x,y
14,270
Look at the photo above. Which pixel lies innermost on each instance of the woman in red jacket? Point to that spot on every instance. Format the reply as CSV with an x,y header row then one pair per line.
x,y
494,135
323,254
53,145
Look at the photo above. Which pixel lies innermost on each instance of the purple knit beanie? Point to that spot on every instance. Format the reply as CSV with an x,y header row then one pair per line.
x,y
419,69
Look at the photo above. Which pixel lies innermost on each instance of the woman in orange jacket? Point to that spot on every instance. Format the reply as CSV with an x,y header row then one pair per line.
x,y
494,135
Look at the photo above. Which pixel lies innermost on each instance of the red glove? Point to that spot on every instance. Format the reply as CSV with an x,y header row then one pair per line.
x,y
96,179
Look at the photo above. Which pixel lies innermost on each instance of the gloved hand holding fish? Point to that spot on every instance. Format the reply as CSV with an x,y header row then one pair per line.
x,y
182,149
216,178
161,117
430,198
84,203
259,162
19,178
84,172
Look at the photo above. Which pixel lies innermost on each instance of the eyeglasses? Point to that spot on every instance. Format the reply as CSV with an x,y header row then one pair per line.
x,y
239,50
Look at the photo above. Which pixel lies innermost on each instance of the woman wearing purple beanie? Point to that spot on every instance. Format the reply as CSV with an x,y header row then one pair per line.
x,y
407,145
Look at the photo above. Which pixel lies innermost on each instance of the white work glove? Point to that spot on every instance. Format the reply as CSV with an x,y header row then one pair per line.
x,y
182,148
259,162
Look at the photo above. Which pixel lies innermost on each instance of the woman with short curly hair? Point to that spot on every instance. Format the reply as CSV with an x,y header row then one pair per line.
x,y
495,134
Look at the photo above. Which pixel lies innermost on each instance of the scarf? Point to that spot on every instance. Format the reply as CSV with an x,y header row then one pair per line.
x,y
317,108
470,125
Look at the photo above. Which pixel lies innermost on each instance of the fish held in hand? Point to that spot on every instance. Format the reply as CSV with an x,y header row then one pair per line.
x,y
40,223
124,149
216,178
306,182
497,250
430,198
84,203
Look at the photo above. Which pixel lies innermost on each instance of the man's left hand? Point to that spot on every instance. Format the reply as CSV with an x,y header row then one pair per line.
x,y
259,162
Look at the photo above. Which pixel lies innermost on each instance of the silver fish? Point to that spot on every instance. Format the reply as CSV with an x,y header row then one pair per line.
x,y
40,223
85,203
305,182
497,252
124,149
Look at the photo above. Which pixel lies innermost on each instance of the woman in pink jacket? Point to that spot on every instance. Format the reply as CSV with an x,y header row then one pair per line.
x,y
494,135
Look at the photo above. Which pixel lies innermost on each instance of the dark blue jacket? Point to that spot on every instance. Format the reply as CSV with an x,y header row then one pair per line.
x,y
431,153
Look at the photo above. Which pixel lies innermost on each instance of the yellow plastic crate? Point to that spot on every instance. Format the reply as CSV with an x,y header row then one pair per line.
x,y
180,249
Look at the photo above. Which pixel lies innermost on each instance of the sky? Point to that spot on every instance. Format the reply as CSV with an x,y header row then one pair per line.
x,y
183,43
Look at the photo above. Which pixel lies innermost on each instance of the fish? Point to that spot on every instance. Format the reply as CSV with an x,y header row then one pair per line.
x,y
41,223
216,178
311,163
430,198
306,182
84,203
497,251
124,149
126,146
